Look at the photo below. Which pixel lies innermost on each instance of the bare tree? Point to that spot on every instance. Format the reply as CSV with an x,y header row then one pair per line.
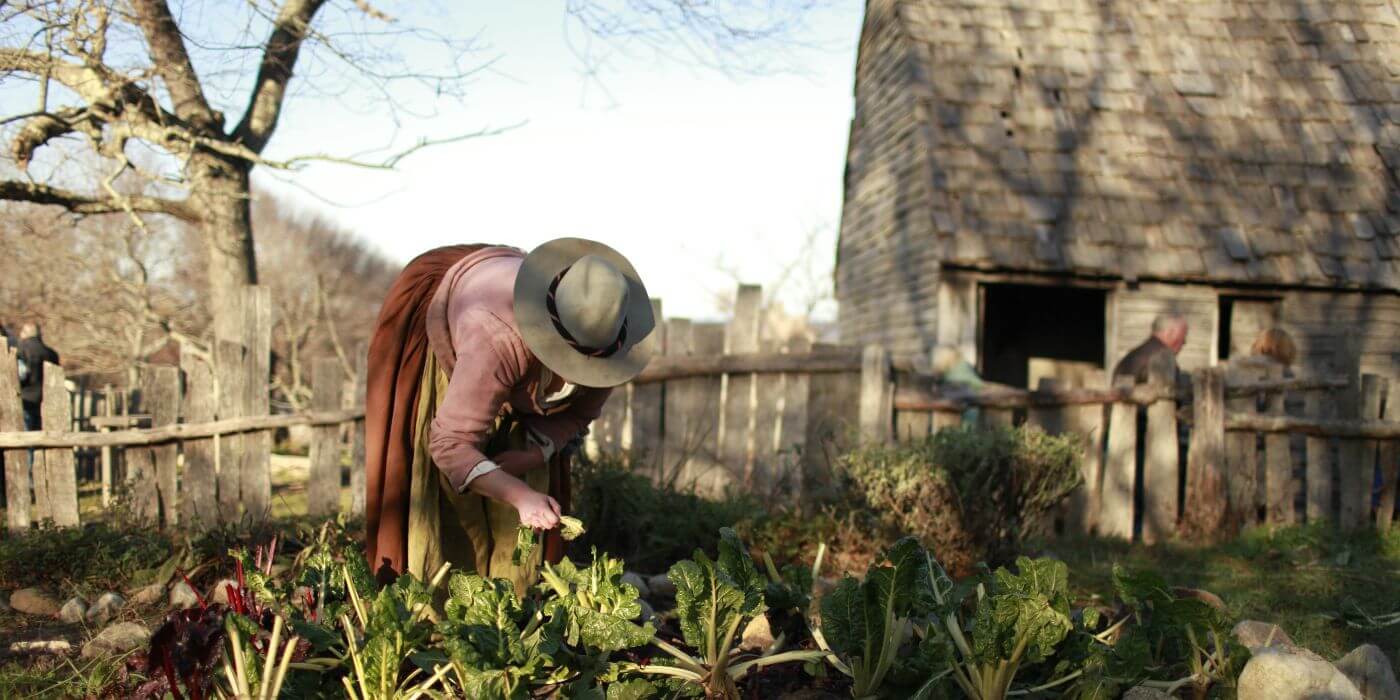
x,y
802,282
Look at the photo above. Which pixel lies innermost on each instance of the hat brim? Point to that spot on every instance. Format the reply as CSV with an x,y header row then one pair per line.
x,y
537,272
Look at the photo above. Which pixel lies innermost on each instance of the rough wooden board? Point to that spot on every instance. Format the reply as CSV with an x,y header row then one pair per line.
x,y
17,484
1120,478
161,386
1278,465
228,455
199,487
833,415
1207,498
357,436
1321,465
59,468
736,426
793,429
678,404
1242,455
998,418
256,489
705,470
606,431
646,407
323,486
876,395
767,407
946,419
1051,420
912,425
1358,464
1161,471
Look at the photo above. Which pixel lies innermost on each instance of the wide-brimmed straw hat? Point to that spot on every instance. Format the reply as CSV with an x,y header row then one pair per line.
x,y
583,311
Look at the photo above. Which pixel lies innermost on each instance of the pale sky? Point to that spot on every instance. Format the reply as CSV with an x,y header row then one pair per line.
x,y
672,164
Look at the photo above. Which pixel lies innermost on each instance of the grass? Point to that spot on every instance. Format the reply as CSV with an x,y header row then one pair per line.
x,y
1298,577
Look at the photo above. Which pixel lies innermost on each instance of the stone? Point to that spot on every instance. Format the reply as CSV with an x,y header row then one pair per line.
x,y
660,585
637,582
73,610
219,593
105,608
182,597
757,635
32,601
119,638
53,646
1254,635
148,595
1138,692
1369,670
1202,595
1293,673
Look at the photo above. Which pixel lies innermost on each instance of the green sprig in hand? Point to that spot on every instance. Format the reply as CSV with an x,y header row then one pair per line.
x,y
570,528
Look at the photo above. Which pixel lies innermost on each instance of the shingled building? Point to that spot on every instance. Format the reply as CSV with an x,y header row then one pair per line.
x,y
1034,180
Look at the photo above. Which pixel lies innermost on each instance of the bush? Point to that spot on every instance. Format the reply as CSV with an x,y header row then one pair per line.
x,y
970,494
96,556
649,525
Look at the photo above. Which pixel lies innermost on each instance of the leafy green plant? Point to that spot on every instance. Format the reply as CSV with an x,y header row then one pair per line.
x,y
570,528
383,633
714,598
788,595
868,625
497,645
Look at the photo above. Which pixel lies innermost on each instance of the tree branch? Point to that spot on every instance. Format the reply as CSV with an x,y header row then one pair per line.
x,y
172,64
274,72
16,191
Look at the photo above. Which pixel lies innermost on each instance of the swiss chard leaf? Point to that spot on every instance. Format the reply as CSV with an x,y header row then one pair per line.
x,y
598,608
713,597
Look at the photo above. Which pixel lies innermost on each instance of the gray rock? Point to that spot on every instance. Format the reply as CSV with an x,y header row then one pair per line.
x,y
1138,692
32,601
1370,671
757,635
660,585
105,608
637,582
73,610
219,593
1254,635
117,639
182,597
53,646
148,595
1292,673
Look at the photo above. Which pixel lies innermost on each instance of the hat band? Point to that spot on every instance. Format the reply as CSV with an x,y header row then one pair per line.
x,y
568,337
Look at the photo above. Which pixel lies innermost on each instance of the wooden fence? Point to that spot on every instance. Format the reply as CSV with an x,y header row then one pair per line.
x,y
189,446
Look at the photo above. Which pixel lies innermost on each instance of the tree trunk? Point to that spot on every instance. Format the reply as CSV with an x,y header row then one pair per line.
x,y
221,189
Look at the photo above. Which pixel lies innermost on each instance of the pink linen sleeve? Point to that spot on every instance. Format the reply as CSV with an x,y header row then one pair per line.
x,y
490,361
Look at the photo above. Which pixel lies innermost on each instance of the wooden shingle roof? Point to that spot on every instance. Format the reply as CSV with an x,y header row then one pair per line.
x,y
1216,140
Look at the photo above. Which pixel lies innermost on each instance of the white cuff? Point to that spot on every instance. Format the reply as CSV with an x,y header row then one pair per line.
x,y
482,468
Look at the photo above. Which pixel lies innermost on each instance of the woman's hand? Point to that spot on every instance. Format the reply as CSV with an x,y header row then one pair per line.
x,y
536,509
518,463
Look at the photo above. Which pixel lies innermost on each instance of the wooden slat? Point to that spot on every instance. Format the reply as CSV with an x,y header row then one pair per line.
x,y
998,418
1161,471
173,433
142,490
946,419
1358,465
357,436
1120,478
793,429
833,417
1207,498
876,395
1241,455
1278,465
923,398
1051,420
1321,465
912,425
199,488
323,486
256,489
17,483
109,407
736,426
162,390
768,397
646,407
678,443
228,459
706,471
60,477
669,368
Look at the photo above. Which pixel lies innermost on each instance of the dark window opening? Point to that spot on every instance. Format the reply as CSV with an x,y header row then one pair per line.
x,y
1055,330
1241,320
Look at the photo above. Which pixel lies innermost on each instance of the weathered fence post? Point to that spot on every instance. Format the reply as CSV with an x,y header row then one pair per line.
x,y
256,489
646,404
162,392
323,487
1390,465
736,420
876,395
833,401
1242,457
1278,464
357,440
1320,462
59,467
683,414
109,406
1120,472
228,449
1207,501
793,427
17,482
1358,459
1161,467
198,490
